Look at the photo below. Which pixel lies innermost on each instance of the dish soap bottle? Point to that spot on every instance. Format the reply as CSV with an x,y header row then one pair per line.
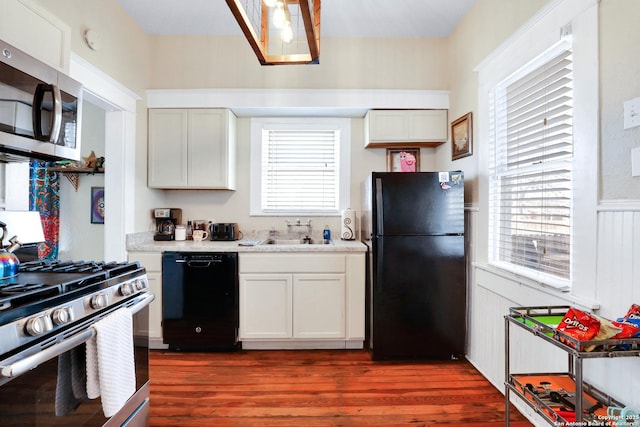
x,y
326,235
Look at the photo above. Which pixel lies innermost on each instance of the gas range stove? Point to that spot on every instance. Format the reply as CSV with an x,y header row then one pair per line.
x,y
48,296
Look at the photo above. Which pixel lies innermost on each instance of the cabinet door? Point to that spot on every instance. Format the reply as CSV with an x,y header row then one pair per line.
x,y
427,125
208,148
34,30
265,306
388,125
155,308
167,148
152,262
319,306
397,128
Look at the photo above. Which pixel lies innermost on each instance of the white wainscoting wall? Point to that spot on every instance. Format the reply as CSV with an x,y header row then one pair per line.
x,y
492,292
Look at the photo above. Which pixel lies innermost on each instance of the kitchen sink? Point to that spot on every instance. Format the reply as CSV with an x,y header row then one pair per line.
x,y
292,242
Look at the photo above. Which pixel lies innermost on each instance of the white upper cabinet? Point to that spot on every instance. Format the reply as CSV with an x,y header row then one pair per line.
x,y
392,128
32,29
192,148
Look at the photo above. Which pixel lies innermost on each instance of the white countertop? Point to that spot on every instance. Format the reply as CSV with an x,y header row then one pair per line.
x,y
143,242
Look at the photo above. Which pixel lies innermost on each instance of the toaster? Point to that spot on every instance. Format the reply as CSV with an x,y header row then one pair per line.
x,y
224,231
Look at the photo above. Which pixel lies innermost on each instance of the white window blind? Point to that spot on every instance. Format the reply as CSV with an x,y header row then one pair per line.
x,y
531,156
300,170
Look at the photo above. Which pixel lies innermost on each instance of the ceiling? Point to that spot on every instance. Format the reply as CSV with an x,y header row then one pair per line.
x,y
339,18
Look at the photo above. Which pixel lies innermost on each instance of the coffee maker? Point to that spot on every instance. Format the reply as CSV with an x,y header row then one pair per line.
x,y
166,221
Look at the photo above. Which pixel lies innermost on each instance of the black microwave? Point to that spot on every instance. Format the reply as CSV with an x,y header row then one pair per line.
x,y
40,109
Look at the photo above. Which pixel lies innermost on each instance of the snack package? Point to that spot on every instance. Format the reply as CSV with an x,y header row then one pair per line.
x,y
579,324
633,313
607,330
629,325
628,329
584,326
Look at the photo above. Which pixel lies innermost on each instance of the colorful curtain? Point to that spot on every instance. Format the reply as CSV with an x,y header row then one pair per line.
x,y
44,188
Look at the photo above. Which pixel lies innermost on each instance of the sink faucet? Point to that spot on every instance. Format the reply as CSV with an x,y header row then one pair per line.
x,y
297,223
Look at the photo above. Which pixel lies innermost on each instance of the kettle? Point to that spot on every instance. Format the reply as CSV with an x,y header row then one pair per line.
x,y
9,263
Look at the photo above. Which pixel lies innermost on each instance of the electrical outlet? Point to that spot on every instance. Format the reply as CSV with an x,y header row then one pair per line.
x,y
632,113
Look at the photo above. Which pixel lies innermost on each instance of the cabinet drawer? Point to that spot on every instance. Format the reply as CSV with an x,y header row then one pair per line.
x,y
292,263
150,261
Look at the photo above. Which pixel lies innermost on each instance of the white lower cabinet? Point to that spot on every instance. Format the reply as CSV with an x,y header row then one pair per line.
x,y
265,305
301,300
287,300
152,262
319,306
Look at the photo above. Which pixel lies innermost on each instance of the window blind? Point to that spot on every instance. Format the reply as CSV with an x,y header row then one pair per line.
x,y
531,152
300,170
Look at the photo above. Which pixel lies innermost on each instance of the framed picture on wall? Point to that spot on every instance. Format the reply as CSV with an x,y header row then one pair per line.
x,y
462,137
97,205
403,160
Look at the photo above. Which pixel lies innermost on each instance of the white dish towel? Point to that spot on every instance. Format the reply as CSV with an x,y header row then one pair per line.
x,y
110,362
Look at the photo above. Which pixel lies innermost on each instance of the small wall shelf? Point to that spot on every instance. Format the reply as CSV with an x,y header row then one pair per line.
x,y
73,174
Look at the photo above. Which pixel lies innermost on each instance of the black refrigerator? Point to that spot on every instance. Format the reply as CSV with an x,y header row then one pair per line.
x,y
413,224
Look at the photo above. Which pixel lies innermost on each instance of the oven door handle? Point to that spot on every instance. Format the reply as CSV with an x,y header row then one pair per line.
x,y
30,362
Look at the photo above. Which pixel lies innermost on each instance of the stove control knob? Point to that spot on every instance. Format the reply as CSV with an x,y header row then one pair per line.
x,y
127,289
99,301
62,316
140,284
38,325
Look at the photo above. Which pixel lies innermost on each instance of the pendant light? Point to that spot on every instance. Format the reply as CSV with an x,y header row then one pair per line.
x,y
259,18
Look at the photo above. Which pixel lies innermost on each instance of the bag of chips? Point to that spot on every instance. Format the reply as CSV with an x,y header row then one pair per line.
x,y
629,325
584,326
579,324
628,329
633,313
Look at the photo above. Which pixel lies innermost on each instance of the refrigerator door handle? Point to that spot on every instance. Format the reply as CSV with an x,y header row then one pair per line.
x,y
379,267
379,208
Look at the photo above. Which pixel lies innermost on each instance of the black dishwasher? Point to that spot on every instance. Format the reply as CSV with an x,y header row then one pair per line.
x,y
200,300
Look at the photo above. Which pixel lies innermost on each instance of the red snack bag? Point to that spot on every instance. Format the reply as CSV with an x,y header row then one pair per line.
x,y
634,312
628,329
579,324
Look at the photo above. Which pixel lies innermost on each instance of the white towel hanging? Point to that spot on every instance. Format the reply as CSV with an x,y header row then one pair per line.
x,y
110,361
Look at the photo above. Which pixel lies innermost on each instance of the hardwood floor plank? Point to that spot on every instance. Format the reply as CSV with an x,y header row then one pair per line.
x,y
318,388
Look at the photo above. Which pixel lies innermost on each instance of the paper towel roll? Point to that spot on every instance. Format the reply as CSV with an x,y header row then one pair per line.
x,y
348,225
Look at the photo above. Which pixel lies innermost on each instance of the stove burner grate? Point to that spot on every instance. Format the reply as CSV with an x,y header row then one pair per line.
x,y
43,283
22,293
111,268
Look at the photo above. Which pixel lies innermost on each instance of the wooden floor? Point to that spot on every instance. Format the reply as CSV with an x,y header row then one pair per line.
x,y
319,388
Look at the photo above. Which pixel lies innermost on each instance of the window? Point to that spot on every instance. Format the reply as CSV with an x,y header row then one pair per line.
x,y
300,166
531,168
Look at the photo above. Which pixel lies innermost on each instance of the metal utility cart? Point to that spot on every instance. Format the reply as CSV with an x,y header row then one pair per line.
x,y
591,408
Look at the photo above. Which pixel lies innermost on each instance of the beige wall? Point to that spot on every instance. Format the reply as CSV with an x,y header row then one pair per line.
x,y
228,62
619,82
190,62
79,238
490,22
125,51
139,62
484,28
